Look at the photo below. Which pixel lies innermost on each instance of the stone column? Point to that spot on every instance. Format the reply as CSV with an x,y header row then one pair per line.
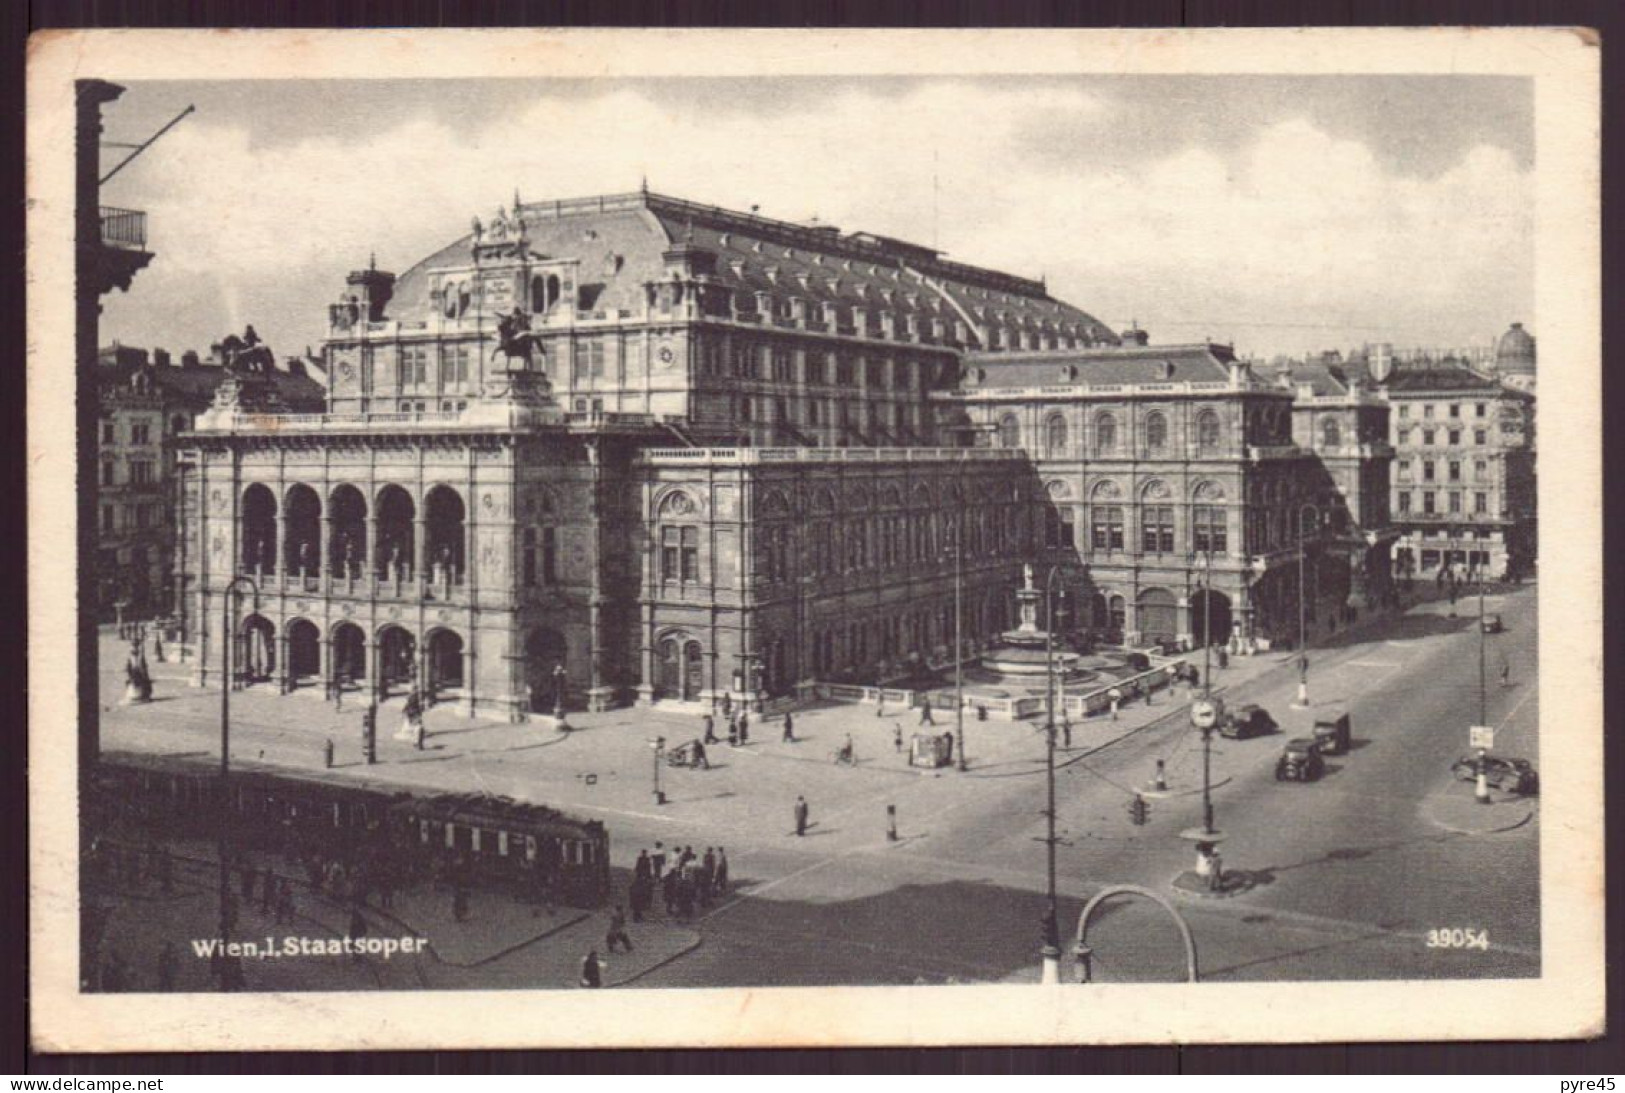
x,y
466,705
324,554
374,657
420,534
329,676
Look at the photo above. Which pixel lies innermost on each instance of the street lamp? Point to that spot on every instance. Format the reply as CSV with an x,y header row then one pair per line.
x,y
1303,625
959,646
227,640
1207,688
1051,950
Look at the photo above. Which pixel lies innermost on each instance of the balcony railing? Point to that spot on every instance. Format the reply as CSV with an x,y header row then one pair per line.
x,y
124,228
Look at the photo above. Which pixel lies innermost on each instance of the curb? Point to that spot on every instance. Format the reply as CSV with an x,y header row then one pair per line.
x,y
684,951
1522,812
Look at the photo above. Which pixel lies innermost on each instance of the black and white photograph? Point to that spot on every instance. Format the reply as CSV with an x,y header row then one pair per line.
x,y
1060,523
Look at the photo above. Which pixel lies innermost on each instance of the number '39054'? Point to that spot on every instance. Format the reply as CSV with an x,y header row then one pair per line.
x,y
1458,937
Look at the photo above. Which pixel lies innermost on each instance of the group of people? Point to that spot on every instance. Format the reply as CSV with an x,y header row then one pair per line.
x,y
684,879
738,728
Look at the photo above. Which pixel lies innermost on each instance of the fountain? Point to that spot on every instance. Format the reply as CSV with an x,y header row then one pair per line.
x,y
1021,656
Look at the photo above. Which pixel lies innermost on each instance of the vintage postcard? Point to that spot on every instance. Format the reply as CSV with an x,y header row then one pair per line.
x,y
578,538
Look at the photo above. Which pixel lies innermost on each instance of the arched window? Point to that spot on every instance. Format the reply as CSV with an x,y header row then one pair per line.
x,y
1056,439
1156,431
1331,433
1009,431
1105,433
1207,431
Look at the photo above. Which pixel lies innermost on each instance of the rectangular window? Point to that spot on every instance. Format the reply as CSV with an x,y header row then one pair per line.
x,y
1403,436
1427,470
1481,469
1068,531
1427,411
1455,409
1481,436
1479,410
1455,502
691,554
107,472
1455,471
1207,529
843,370
1427,502
1404,412
669,553
1455,437
1403,467
1481,502
109,432
739,358
1427,436
1108,528
1157,529
1405,502
816,368
781,365
528,561
107,518
550,555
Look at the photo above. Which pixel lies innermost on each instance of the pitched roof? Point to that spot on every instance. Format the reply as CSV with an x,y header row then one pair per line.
x,y
1201,363
194,384
1448,377
620,240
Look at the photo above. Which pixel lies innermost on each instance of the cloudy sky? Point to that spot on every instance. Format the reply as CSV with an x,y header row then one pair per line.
x,y
1283,214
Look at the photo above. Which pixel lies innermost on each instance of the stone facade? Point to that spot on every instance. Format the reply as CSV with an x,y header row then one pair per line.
x,y
640,450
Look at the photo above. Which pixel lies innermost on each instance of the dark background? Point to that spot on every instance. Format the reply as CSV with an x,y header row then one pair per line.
x,y
17,20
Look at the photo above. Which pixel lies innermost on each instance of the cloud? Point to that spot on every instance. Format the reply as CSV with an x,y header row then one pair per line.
x,y
1294,238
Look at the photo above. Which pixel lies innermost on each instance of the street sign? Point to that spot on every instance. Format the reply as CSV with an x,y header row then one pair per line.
x,y
1205,713
1481,736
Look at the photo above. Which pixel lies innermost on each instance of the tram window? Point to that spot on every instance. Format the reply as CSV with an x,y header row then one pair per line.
x,y
474,839
502,844
530,848
451,836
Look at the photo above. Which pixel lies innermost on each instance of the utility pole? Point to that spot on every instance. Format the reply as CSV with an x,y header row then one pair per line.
x,y
227,640
1303,626
959,647
1051,950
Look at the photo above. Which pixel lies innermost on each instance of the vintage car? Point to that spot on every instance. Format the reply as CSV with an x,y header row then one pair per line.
x,y
1245,721
1332,734
1300,761
1492,624
1514,775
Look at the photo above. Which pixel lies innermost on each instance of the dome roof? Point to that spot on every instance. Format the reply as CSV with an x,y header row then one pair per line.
x,y
1515,352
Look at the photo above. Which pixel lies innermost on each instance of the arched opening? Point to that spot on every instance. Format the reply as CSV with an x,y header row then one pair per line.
x,y
445,663
1331,433
397,661
394,552
544,654
1056,439
443,535
347,548
1207,431
1009,431
256,650
349,654
258,535
680,668
1210,618
304,651
1105,433
1156,431
1116,617
1158,612
301,532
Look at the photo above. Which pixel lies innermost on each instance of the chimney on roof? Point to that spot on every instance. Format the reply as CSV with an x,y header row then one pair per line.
x,y
189,359
160,358
1135,336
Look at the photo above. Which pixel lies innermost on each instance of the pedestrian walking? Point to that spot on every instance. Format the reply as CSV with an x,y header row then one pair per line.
x,y
641,867
710,729
668,892
657,863
700,759
616,934
168,965
639,897
925,713
897,736
789,730
1066,730
592,973
801,815
327,754
733,732
744,726
720,879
